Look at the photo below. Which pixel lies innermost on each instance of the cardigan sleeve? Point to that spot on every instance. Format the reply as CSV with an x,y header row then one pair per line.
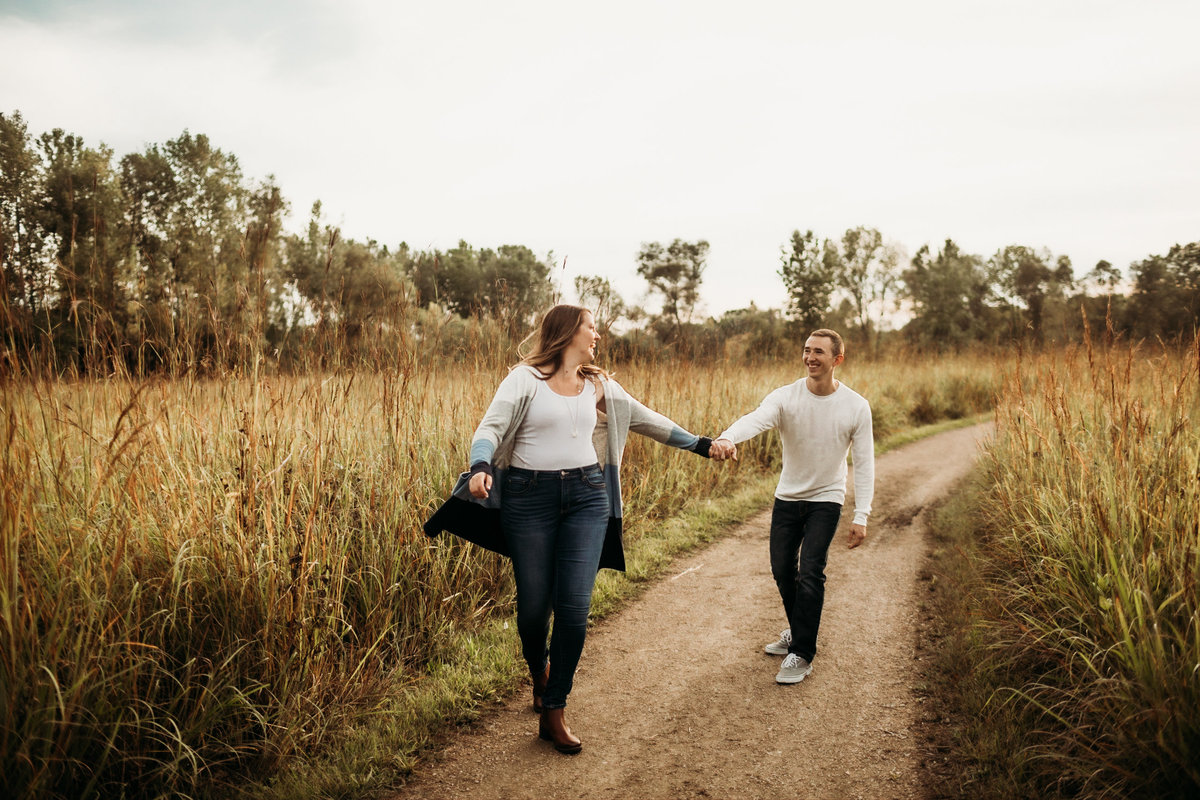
x,y
660,428
497,420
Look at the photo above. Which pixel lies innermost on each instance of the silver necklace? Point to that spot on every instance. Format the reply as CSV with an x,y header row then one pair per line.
x,y
573,410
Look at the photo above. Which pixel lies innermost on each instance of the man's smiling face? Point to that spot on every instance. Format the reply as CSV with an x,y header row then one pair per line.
x,y
819,357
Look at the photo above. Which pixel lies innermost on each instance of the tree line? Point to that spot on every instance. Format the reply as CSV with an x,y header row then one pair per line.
x,y
172,259
949,299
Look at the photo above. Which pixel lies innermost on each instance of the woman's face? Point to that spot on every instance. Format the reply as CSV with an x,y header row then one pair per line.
x,y
584,343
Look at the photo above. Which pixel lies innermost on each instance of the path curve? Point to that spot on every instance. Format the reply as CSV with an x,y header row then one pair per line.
x,y
675,698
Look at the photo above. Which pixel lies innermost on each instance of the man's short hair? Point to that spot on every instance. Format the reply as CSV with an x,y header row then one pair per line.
x,y
839,347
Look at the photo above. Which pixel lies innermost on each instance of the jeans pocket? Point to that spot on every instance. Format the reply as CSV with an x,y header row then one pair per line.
x,y
594,478
517,484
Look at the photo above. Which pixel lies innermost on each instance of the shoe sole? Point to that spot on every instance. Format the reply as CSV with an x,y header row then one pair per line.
x,y
565,749
775,650
790,679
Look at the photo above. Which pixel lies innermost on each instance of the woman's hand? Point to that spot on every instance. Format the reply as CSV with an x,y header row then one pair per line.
x,y
480,485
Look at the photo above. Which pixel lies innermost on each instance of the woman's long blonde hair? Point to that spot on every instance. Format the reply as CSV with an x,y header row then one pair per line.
x,y
558,327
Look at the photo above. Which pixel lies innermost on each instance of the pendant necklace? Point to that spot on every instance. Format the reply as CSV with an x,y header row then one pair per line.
x,y
573,410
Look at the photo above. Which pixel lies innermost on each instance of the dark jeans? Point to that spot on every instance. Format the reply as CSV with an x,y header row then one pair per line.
x,y
804,528
554,524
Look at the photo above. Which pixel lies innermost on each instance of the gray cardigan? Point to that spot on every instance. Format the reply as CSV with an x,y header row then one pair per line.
x,y
491,451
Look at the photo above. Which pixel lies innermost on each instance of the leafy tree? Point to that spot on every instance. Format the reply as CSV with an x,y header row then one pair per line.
x,y
1024,275
1064,275
1103,277
423,268
809,271
205,230
26,278
149,188
598,294
516,285
81,211
261,304
856,266
887,283
353,288
307,263
509,283
868,272
1166,293
674,272
1060,311
368,283
192,244
309,266
460,280
949,294
753,333
1102,306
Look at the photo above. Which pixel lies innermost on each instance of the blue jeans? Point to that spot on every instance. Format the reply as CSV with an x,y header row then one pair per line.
x,y
554,524
804,528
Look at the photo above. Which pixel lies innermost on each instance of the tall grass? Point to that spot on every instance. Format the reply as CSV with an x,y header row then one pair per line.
x,y
201,578
1092,490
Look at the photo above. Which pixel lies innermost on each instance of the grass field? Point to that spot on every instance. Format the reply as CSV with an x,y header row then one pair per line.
x,y
203,580
1075,583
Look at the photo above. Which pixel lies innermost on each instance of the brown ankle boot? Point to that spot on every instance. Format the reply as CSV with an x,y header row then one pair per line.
x,y
553,728
539,687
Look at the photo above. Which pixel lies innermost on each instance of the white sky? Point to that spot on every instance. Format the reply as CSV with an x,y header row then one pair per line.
x,y
587,130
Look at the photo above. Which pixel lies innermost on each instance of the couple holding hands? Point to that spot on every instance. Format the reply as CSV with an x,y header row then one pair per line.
x,y
544,488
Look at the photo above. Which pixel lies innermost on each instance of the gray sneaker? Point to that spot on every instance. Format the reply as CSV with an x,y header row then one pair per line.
x,y
780,648
793,669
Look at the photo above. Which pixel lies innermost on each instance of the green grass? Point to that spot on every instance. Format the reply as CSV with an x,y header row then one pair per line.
x,y
1074,570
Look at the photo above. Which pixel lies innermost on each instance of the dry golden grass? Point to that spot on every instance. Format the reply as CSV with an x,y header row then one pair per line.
x,y
1092,621
199,577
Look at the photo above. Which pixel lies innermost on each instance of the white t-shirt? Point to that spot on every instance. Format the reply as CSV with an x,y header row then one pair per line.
x,y
557,431
817,432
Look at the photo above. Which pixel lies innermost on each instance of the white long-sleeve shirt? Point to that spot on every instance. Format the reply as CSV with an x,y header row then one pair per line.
x,y
817,433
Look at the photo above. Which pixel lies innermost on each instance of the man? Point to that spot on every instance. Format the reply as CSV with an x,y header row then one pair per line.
x,y
819,420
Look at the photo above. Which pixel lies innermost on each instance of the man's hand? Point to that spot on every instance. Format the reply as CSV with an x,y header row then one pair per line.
x,y
722,449
480,484
858,535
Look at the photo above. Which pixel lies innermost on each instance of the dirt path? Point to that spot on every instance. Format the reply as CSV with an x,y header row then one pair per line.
x,y
675,698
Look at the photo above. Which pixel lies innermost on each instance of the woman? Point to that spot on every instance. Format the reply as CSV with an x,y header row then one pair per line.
x,y
537,492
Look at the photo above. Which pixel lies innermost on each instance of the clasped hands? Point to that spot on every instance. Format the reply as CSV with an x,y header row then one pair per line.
x,y
722,449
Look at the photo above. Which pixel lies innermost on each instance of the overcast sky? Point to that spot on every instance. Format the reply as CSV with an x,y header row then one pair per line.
x,y
587,130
